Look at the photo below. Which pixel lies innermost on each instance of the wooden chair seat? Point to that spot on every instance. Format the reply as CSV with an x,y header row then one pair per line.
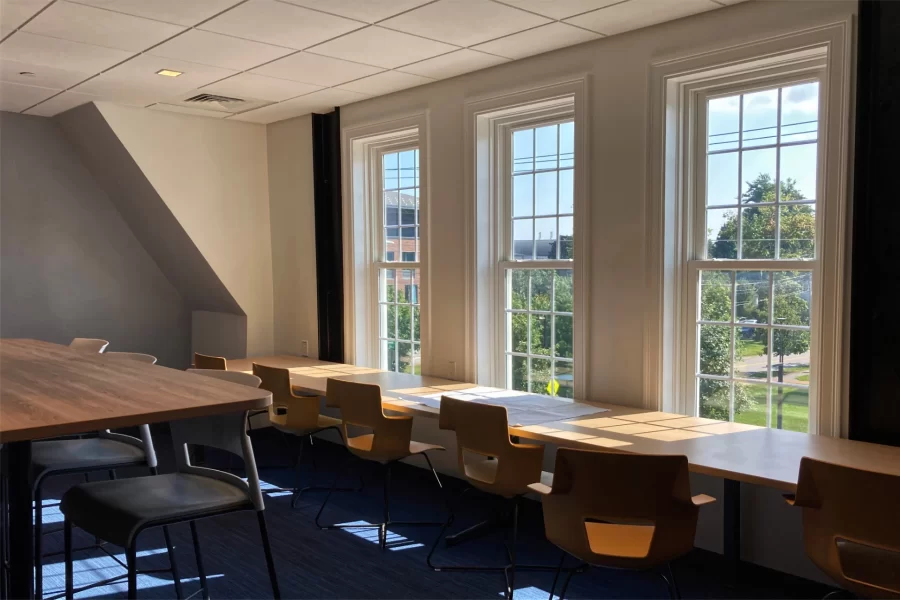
x,y
361,446
482,474
322,422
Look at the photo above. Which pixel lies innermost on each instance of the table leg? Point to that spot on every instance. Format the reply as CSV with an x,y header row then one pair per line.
x,y
731,526
21,524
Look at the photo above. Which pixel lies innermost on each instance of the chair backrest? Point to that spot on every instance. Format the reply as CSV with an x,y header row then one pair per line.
x,y
204,361
89,345
851,527
146,441
226,432
483,429
360,405
148,359
287,410
644,490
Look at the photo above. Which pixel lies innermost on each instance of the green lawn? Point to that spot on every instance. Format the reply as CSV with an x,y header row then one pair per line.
x,y
795,410
753,348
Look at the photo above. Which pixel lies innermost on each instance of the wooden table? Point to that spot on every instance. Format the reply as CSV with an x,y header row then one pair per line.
x,y
735,452
49,390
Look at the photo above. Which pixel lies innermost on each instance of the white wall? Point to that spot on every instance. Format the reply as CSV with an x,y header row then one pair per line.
x,y
213,176
293,236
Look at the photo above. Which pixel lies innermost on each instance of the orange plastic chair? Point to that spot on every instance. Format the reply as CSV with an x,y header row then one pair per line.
x,y
389,440
643,519
492,463
851,529
213,363
294,414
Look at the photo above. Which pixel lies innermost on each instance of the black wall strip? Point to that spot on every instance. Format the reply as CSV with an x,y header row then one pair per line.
x,y
875,286
329,247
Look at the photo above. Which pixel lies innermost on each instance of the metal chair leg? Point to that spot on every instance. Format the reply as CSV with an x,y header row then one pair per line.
x,y
441,486
337,475
562,593
38,537
70,577
562,561
201,571
270,563
387,506
176,578
511,586
132,569
297,464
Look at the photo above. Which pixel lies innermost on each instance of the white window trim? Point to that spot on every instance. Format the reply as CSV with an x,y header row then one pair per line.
x,y
489,122
362,148
673,85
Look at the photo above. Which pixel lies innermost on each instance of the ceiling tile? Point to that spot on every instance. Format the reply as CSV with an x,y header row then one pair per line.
x,y
89,25
534,41
179,12
635,14
138,78
15,97
281,24
464,22
121,93
385,83
44,76
218,50
453,64
560,9
61,103
187,110
315,69
15,12
321,101
369,11
60,54
381,47
249,85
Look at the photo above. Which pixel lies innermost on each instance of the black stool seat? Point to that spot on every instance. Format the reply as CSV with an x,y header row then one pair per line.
x,y
85,454
118,510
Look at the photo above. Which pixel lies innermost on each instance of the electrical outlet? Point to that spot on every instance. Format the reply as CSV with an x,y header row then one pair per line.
x,y
305,345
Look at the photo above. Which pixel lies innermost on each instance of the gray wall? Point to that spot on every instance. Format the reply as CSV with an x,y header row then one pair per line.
x,y
69,264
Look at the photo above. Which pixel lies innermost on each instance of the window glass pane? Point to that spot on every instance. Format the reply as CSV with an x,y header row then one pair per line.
x,y
752,297
545,147
758,175
563,291
541,289
523,150
721,233
750,359
723,123
518,373
798,231
722,179
391,212
565,379
399,316
790,408
750,403
758,232
519,291
715,398
388,285
408,215
566,238
563,331
715,350
417,330
798,172
545,238
539,378
540,334
760,118
408,169
391,171
792,290
715,296
567,144
566,191
518,323
545,193
800,112
523,239
523,195
389,355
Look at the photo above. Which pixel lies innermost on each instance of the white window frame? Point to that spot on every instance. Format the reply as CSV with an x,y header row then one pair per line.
x,y
363,228
677,180
489,136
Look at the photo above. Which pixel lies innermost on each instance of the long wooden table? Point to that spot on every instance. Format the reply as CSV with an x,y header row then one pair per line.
x,y
735,452
49,390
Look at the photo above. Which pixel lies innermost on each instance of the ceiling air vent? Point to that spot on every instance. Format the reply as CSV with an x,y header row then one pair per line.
x,y
213,98
216,103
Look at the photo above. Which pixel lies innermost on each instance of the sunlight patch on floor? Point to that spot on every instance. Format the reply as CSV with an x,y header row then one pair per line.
x,y
395,541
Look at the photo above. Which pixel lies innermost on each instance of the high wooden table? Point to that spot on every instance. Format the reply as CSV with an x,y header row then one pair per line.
x,y
733,451
48,390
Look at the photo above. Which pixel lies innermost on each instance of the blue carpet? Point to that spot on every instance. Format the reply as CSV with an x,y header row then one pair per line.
x,y
349,563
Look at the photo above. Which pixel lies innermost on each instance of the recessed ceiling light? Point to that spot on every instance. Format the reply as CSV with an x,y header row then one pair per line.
x,y
169,73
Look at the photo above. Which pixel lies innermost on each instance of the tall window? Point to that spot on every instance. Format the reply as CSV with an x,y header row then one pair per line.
x,y
399,269
755,253
538,277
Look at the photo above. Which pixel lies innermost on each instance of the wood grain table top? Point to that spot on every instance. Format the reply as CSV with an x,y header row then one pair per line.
x,y
747,453
49,390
